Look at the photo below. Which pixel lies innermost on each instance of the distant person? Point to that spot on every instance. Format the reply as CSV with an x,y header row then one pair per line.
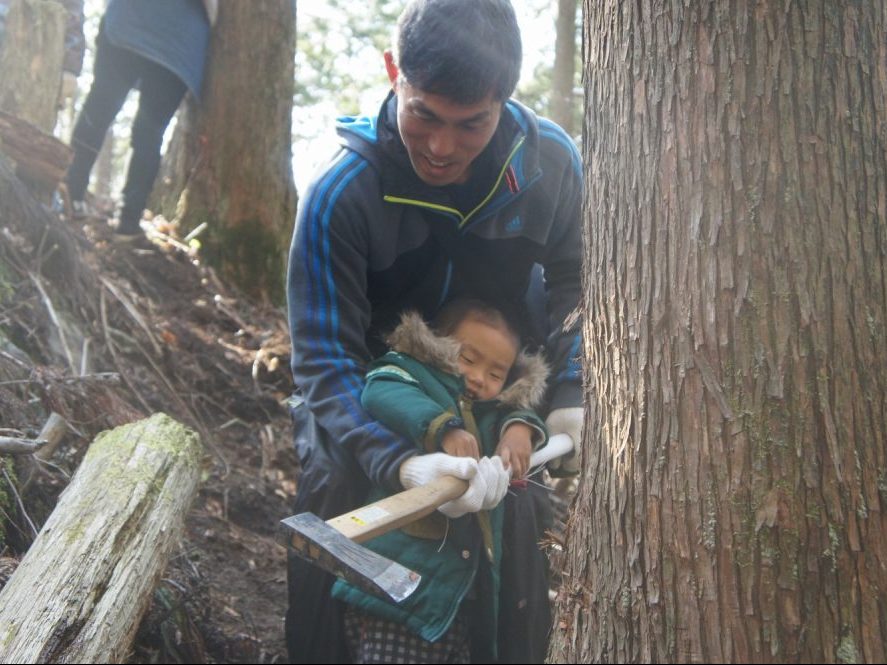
x,y
463,392
161,49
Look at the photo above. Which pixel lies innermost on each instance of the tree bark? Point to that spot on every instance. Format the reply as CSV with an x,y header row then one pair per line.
x,y
81,589
735,474
31,57
562,83
230,160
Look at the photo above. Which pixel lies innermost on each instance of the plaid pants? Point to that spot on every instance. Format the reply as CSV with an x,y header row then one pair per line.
x,y
374,640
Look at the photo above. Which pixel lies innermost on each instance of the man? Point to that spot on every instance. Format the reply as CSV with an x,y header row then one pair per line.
x,y
451,191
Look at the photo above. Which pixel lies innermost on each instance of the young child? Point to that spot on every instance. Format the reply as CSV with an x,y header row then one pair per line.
x,y
464,388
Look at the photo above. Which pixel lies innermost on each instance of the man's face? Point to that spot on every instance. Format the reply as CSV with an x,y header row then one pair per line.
x,y
443,138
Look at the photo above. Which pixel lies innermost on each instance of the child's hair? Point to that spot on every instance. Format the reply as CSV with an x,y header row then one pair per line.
x,y
461,309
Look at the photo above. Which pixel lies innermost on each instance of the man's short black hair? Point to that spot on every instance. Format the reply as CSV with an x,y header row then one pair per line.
x,y
460,49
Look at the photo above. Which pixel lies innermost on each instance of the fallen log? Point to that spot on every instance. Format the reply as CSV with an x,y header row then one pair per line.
x,y
39,157
81,589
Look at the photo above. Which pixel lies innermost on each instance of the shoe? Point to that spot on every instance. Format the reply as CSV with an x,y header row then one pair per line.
x,y
131,241
119,238
83,210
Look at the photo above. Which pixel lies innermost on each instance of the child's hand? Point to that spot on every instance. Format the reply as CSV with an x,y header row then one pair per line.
x,y
515,448
459,443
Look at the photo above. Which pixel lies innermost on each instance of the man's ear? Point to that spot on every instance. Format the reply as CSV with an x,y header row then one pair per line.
x,y
391,68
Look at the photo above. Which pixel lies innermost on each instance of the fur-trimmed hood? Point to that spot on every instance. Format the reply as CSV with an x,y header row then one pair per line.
x,y
413,337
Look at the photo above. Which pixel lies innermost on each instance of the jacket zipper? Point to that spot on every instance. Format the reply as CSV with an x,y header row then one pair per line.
x,y
463,219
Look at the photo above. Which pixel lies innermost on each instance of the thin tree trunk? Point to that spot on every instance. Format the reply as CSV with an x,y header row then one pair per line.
x,y
732,507
80,592
562,99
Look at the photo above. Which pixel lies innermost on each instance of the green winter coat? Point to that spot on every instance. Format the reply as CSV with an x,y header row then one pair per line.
x,y
416,391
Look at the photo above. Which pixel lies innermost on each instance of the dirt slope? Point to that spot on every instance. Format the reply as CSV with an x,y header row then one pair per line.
x,y
164,334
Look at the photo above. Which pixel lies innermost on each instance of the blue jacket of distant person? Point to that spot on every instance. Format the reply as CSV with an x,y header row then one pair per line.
x,y
172,33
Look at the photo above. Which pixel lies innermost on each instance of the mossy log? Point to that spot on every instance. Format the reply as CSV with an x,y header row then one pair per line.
x,y
84,584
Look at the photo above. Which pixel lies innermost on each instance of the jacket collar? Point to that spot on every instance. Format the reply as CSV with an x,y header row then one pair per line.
x,y
413,337
514,144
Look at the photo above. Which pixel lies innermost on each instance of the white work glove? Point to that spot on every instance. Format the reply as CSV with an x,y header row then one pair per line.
x,y
422,469
497,479
566,421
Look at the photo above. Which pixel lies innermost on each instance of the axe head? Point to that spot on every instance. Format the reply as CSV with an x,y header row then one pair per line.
x,y
320,544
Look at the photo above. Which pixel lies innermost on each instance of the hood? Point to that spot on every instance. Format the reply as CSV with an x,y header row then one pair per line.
x,y
413,337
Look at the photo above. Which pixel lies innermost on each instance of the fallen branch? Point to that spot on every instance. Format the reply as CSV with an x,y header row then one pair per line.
x,y
15,446
105,377
133,312
55,319
18,500
53,431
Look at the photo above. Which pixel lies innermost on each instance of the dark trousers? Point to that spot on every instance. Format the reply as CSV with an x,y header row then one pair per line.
x,y
116,72
331,484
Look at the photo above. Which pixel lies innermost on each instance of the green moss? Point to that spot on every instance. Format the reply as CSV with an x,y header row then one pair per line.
x,y
169,436
847,651
121,470
625,598
882,485
7,500
769,552
710,523
249,256
834,544
9,634
6,287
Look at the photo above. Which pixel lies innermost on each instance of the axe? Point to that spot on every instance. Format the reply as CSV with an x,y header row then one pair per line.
x,y
335,547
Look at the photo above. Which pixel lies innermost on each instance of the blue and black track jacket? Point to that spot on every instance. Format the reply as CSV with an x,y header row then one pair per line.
x,y
373,240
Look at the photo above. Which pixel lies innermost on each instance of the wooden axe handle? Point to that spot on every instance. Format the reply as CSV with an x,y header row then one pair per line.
x,y
399,509
395,511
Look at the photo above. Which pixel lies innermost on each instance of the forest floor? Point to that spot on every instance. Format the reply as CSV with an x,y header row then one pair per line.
x,y
181,342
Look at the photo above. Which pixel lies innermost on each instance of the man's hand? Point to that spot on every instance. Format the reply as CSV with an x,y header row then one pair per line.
x,y
566,421
515,448
422,469
460,443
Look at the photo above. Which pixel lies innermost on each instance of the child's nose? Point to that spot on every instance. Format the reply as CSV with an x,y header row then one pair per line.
x,y
475,380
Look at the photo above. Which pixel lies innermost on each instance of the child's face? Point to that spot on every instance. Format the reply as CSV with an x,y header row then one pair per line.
x,y
485,359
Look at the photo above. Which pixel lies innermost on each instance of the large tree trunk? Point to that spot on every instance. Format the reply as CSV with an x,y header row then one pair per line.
x,y
735,475
31,56
81,589
563,77
230,161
